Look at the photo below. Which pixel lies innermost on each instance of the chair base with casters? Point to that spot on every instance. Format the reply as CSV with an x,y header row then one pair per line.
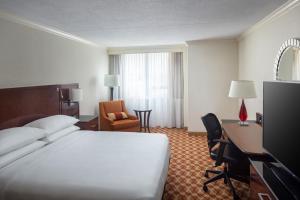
x,y
220,175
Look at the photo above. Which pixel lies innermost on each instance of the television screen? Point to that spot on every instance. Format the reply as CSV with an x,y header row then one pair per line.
x,y
281,123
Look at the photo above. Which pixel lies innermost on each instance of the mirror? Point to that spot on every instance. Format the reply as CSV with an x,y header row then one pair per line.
x,y
289,66
287,63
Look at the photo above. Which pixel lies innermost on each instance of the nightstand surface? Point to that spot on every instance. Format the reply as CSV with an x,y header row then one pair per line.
x,y
88,122
87,118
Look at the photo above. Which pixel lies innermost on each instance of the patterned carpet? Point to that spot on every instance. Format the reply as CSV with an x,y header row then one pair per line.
x,y
189,160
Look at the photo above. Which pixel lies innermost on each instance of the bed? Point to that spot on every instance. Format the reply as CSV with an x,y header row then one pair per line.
x,y
85,165
90,165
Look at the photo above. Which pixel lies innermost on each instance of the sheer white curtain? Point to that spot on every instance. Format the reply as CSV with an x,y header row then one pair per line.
x,y
114,68
153,81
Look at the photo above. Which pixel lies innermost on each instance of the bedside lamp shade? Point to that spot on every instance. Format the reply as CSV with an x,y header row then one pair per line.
x,y
111,80
76,95
242,89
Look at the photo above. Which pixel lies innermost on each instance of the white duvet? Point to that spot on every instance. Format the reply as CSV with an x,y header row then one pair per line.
x,y
88,165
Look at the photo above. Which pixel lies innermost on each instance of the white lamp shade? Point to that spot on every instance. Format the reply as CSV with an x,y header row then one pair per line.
x,y
76,95
242,89
111,80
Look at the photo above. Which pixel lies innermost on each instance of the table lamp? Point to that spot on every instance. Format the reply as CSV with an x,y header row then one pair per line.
x,y
76,95
242,89
111,81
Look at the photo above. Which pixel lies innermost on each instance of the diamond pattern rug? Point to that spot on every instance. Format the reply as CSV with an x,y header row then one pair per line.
x,y
189,160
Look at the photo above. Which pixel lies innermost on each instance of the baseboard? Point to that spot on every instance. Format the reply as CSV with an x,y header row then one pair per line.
x,y
197,133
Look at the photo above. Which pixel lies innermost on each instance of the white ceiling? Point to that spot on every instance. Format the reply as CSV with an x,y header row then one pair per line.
x,y
144,22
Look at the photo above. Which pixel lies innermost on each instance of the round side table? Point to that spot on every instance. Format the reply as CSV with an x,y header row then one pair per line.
x,y
144,117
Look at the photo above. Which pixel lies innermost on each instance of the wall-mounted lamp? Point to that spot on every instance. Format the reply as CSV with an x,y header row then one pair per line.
x,y
69,101
111,81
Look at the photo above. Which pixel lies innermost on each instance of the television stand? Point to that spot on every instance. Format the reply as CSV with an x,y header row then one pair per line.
x,y
268,181
285,185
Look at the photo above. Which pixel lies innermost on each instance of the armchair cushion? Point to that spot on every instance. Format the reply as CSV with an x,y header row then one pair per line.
x,y
124,124
117,116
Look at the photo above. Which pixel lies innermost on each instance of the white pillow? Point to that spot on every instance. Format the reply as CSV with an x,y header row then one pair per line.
x,y
15,138
59,134
14,155
53,123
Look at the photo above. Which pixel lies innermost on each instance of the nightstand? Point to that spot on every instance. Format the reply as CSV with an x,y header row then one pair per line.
x,y
88,122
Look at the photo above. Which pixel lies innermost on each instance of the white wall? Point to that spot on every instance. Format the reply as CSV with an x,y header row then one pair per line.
x,y
259,47
212,64
33,57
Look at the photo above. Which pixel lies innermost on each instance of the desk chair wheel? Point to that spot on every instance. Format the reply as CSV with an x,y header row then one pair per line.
x,y
205,189
236,197
225,181
206,174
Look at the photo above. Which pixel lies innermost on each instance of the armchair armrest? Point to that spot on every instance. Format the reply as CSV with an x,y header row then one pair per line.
x,y
108,119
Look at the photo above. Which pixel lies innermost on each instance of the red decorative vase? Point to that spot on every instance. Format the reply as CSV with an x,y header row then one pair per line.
x,y
243,112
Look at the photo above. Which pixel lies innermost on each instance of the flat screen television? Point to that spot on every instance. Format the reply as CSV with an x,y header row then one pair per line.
x,y
281,124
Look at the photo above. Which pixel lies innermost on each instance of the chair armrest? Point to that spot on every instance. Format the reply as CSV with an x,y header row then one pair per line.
x,y
222,141
230,159
220,156
131,117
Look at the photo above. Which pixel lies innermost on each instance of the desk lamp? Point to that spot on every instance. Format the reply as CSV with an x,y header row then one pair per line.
x,y
244,90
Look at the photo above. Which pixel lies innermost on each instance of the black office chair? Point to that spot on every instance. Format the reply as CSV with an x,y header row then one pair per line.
x,y
217,150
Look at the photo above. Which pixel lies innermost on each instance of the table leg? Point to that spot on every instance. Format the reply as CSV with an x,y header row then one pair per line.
x,y
136,114
140,118
148,118
145,125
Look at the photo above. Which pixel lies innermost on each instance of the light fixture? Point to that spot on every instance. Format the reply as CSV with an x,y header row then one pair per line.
x,y
242,89
111,81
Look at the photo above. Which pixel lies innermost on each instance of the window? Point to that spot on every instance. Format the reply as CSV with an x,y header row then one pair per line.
x,y
153,81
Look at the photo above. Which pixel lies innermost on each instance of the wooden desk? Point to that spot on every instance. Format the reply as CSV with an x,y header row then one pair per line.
x,y
247,138
249,141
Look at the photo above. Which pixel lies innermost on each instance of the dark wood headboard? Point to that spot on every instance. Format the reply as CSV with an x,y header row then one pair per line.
x,y
25,103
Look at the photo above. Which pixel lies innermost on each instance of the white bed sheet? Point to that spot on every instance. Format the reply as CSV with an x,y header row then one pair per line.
x,y
91,165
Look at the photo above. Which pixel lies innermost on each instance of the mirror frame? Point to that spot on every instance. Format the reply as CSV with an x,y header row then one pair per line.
x,y
293,42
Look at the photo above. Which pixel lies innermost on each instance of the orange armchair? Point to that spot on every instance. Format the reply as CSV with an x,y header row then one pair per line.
x,y
132,124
